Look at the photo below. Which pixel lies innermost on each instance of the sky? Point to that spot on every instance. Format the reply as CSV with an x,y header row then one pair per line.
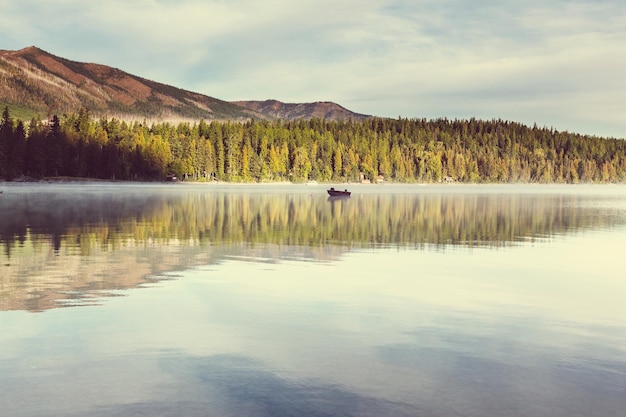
x,y
560,63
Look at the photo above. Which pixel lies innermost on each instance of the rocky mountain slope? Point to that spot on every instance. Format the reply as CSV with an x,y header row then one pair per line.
x,y
290,111
43,83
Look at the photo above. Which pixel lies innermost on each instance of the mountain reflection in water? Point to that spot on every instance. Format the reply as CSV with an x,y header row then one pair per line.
x,y
69,245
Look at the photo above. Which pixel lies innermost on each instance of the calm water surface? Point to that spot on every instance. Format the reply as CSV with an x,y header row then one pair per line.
x,y
215,300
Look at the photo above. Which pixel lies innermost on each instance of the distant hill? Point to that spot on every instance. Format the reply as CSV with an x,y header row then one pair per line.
x,y
35,81
294,111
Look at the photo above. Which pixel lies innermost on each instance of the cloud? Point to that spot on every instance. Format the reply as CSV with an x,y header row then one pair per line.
x,y
387,57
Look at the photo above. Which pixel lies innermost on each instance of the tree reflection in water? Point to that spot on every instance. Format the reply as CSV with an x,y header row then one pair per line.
x,y
62,241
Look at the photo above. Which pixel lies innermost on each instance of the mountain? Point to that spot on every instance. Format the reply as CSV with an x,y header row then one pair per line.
x,y
294,111
46,84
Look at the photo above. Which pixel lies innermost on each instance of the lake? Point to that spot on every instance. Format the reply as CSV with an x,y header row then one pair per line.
x,y
276,300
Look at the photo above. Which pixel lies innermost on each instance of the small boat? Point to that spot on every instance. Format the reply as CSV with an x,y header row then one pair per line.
x,y
338,193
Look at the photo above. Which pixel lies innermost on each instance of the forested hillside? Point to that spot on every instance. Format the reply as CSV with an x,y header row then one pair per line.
x,y
402,150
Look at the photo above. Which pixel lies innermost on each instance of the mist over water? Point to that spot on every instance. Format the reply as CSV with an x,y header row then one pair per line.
x,y
275,300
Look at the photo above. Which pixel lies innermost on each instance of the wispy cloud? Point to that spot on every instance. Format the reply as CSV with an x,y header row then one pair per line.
x,y
558,63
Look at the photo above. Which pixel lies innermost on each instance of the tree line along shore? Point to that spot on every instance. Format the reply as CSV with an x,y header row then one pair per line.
x,y
376,149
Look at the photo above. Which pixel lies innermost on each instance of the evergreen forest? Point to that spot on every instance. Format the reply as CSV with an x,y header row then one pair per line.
x,y
375,149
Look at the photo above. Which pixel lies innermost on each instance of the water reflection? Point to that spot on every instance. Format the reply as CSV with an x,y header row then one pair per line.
x,y
274,301
87,218
67,245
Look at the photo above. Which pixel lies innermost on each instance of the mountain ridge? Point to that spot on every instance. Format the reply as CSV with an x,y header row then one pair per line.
x,y
44,83
290,111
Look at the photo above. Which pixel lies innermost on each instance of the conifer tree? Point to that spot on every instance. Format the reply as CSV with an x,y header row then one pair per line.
x,y
6,134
